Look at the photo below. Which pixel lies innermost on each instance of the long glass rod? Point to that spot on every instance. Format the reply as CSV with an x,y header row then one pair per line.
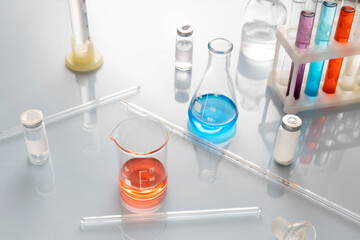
x,y
75,110
173,216
246,163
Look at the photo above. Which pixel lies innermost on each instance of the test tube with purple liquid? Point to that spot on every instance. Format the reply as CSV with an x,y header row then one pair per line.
x,y
303,37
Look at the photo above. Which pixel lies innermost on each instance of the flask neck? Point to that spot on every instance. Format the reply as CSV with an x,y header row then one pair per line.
x,y
219,53
220,61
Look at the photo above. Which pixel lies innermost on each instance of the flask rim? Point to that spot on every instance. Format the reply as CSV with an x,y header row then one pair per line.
x,y
220,46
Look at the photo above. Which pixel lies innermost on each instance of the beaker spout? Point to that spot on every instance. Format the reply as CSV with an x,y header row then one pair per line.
x,y
113,136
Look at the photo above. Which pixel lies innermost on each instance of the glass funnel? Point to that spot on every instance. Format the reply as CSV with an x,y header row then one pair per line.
x,y
212,111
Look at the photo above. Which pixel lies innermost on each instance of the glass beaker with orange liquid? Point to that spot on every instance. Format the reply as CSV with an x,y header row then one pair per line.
x,y
142,152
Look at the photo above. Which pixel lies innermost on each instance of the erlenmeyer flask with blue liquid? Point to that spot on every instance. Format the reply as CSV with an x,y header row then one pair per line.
x,y
212,111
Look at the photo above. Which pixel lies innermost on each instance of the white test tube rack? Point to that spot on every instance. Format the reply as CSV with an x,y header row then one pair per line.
x,y
286,38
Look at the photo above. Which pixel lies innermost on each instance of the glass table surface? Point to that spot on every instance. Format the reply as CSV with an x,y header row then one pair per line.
x,y
138,44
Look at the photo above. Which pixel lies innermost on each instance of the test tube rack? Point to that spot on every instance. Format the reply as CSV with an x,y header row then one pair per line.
x,y
286,39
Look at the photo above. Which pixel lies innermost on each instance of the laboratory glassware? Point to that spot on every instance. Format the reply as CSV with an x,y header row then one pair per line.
x,y
83,57
261,19
284,230
247,164
77,109
213,111
287,139
173,216
184,47
35,136
351,64
293,19
142,152
347,78
322,38
342,34
303,37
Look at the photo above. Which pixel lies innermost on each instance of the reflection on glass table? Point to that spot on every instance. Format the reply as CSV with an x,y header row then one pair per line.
x,y
182,85
44,177
251,81
86,84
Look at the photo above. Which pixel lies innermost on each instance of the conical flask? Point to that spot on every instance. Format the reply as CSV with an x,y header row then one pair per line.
x,y
212,111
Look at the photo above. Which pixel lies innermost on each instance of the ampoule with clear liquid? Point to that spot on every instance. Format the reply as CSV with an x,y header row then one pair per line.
x,y
184,47
35,136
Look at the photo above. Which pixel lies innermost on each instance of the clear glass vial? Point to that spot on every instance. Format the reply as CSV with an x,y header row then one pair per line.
x,y
184,47
35,136
287,139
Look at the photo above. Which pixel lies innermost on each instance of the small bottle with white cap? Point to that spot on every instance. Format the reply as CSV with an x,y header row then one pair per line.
x,y
287,139
184,47
35,136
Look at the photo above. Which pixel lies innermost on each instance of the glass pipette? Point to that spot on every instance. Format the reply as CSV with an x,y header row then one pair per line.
x,y
75,110
79,21
246,163
83,57
173,216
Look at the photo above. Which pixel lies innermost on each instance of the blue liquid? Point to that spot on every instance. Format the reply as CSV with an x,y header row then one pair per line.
x,y
314,77
323,33
213,117
326,20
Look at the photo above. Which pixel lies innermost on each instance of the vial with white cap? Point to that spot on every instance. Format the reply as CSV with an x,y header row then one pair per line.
x,y
184,47
287,139
35,136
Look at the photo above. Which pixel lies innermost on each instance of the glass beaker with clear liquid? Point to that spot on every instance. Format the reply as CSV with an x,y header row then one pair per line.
x,y
213,111
258,33
142,144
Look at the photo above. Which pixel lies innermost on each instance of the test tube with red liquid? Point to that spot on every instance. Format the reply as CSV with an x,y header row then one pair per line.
x,y
303,36
342,34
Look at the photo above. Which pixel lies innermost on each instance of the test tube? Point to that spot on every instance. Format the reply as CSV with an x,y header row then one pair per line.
x,y
351,64
293,19
323,33
173,216
302,41
342,34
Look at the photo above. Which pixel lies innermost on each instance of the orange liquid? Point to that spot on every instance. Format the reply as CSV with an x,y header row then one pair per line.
x,y
341,35
143,182
332,75
344,24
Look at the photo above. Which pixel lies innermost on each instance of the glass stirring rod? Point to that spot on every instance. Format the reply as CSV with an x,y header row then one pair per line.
x,y
173,216
76,110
